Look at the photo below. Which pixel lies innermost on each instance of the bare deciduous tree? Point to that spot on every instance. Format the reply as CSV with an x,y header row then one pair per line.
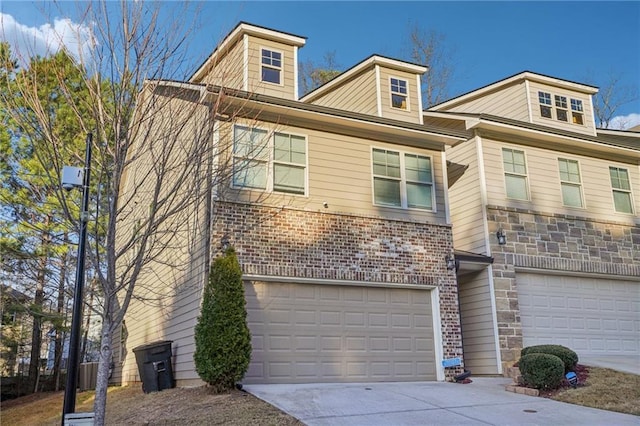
x,y
612,95
429,48
313,75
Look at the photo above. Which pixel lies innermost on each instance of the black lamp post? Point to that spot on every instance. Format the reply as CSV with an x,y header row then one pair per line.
x,y
74,341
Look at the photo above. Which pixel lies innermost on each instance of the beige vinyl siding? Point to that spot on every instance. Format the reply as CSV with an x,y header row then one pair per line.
x,y
286,88
544,183
478,330
508,102
166,296
340,174
587,128
229,71
466,201
357,95
413,112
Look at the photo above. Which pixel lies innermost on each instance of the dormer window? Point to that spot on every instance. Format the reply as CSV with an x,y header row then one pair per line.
x,y
271,66
561,107
398,93
577,111
545,104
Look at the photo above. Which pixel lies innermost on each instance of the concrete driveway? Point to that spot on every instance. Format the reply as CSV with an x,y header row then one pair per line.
x,y
483,402
627,364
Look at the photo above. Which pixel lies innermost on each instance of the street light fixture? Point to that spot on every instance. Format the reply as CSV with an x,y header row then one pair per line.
x,y
70,180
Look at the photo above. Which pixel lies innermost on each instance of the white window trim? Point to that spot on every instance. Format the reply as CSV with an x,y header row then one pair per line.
x,y
579,185
571,111
554,108
271,161
613,201
403,181
271,49
504,174
565,109
391,93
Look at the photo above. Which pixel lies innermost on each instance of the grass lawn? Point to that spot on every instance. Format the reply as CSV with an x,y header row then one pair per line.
x,y
605,389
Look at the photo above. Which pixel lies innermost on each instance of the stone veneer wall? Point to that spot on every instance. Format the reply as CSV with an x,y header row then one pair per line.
x,y
287,242
544,241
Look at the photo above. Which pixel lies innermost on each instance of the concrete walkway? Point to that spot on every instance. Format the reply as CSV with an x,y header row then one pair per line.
x,y
483,402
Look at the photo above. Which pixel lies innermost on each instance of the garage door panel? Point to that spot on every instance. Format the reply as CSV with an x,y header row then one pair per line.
x,y
591,316
339,334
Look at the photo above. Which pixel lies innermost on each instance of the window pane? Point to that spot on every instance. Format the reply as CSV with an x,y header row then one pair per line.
x,y
577,118
576,105
562,115
619,178
622,202
250,174
517,187
399,101
417,168
419,195
386,192
569,171
270,75
571,195
288,179
386,163
544,98
250,142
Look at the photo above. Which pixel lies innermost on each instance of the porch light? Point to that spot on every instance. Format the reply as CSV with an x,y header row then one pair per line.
x,y
502,237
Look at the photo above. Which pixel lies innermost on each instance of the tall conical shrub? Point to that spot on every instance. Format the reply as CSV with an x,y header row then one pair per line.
x,y
222,337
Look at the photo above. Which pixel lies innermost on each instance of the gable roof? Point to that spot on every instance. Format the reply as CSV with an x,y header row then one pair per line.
x,y
525,75
371,61
234,35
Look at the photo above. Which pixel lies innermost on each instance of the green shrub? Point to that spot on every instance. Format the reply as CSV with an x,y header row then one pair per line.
x,y
541,371
222,337
569,358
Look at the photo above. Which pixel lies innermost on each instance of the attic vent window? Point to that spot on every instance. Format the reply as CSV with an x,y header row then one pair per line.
x,y
271,66
545,104
398,93
577,111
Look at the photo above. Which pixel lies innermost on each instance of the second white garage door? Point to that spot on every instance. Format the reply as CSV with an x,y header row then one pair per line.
x,y
305,333
592,316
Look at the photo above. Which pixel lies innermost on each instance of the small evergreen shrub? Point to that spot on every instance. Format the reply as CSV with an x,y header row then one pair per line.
x,y
568,357
541,371
222,337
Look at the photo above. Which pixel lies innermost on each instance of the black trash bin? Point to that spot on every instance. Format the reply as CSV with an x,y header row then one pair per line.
x,y
154,366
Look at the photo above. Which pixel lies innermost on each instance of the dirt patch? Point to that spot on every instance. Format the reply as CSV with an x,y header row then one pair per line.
x,y
130,406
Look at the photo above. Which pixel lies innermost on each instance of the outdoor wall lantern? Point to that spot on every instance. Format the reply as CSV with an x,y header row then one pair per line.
x,y
502,237
451,261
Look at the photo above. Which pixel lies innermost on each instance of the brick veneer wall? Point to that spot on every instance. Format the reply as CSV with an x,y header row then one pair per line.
x,y
288,242
544,241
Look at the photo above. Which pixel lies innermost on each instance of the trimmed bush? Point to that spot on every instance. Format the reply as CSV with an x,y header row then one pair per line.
x,y
222,337
569,358
541,371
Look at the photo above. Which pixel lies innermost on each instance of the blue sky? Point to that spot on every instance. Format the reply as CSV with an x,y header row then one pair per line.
x,y
578,41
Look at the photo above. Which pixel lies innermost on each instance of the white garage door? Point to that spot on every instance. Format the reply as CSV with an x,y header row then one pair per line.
x,y
304,333
591,316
